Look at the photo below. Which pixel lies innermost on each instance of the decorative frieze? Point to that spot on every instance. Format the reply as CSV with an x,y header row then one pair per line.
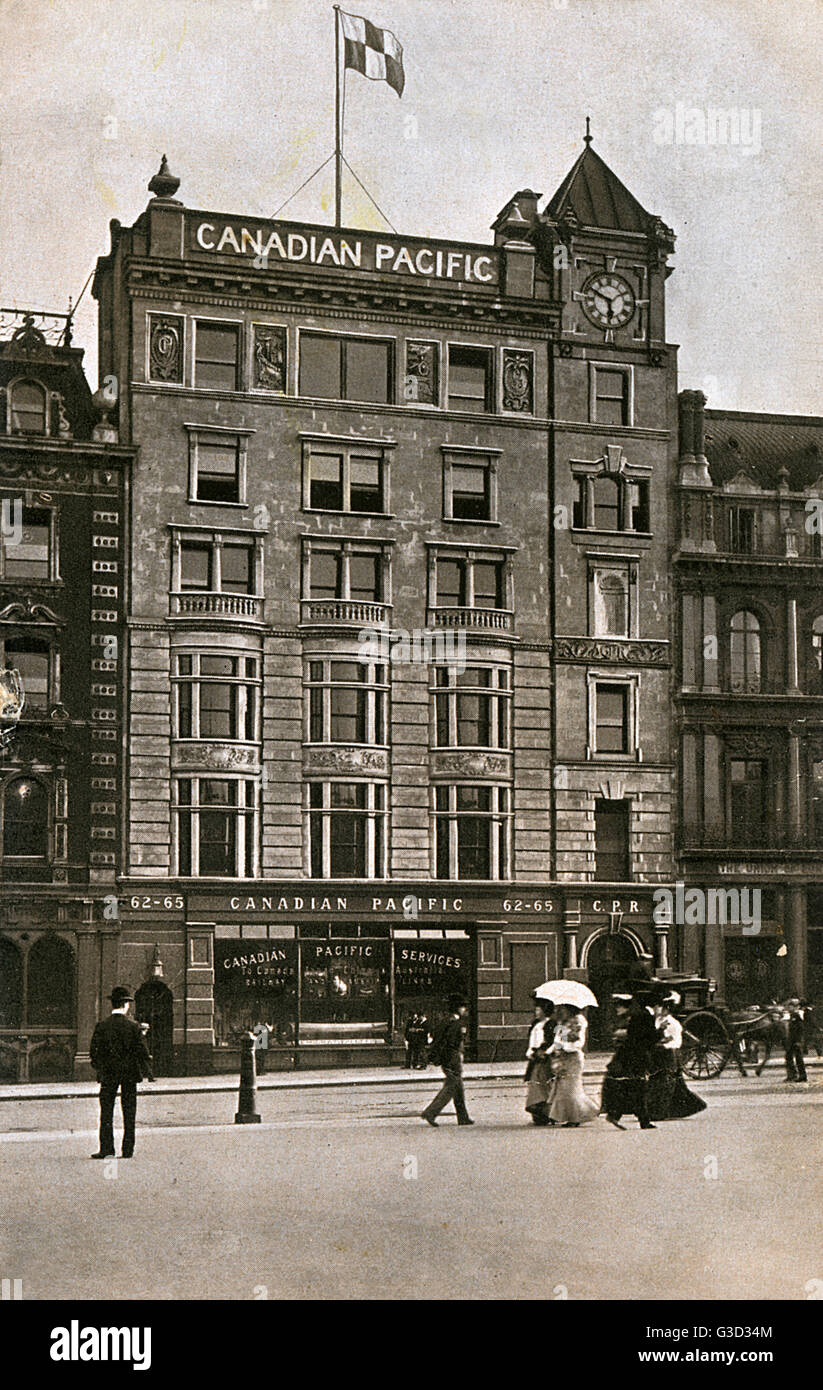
x,y
216,757
353,760
474,763
518,373
623,653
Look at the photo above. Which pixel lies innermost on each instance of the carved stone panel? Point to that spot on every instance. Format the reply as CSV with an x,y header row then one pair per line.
x,y
471,763
518,372
421,373
620,652
269,364
216,757
354,760
165,347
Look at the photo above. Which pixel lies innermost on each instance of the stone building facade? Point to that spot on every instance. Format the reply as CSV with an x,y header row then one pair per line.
x,y
64,492
398,624
748,570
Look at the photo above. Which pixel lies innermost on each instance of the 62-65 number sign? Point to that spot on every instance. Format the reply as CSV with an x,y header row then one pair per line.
x,y
169,902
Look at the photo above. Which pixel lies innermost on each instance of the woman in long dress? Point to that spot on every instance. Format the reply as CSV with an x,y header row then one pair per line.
x,y
538,1072
669,1096
570,1105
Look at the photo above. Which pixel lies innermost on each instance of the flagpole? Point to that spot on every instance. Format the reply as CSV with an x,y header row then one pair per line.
x,y
338,124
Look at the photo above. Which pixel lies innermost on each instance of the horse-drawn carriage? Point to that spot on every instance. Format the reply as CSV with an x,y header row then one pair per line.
x,y
714,1035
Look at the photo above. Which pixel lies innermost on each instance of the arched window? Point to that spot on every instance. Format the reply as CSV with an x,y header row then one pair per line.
x,y
612,605
11,985
817,642
745,653
28,408
25,819
50,986
606,503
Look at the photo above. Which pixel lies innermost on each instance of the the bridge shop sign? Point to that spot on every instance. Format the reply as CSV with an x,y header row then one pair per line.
x,y
267,244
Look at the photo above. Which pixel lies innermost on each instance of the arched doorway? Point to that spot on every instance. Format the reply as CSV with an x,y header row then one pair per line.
x,y
153,1004
612,965
11,985
50,990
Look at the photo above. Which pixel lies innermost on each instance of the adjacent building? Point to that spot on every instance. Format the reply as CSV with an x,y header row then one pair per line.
x,y
399,676
63,493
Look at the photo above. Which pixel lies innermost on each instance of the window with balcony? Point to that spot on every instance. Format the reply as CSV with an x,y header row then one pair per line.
x,y
346,369
611,841
471,381
472,707
347,702
29,408
29,551
224,569
31,656
742,530
472,832
216,827
469,486
747,801
216,355
467,585
744,653
216,696
216,574
347,829
342,479
344,581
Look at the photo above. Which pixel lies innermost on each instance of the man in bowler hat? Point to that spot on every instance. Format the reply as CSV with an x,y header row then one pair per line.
x,y
120,1057
448,1053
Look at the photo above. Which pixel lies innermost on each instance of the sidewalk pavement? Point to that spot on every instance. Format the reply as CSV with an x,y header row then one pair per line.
x,y
308,1080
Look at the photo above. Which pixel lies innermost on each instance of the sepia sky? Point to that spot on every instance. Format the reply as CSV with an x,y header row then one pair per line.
x,y
240,95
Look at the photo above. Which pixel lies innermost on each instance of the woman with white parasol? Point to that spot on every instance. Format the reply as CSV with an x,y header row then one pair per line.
x,y
570,1106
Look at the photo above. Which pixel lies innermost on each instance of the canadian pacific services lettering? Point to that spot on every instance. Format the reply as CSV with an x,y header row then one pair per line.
x,y
318,249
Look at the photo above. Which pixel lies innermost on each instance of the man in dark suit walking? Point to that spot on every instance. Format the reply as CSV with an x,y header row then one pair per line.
x,y
448,1053
120,1057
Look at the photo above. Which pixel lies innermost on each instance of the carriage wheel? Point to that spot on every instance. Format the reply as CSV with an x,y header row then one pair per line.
x,y
706,1045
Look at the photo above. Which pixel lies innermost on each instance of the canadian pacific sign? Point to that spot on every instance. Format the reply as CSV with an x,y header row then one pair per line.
x,y
266,244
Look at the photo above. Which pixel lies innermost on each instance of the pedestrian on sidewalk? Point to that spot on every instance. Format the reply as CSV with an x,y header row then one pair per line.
x,y
626,1084
120,1057
795,1037
538,1071
570,1105
447,1052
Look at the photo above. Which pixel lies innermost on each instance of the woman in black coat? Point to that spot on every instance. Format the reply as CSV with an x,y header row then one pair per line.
x,y
625,1086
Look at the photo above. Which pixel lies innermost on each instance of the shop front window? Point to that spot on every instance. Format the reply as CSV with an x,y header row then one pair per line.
x,y
345,981
255,991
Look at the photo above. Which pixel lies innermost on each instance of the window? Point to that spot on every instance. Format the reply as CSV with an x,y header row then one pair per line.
x,y
611,841
216,827
347,829
472,707
31,656
345,571
216,355
347,702
29,408
611,718
25,819
50,984
817,642
217,697
742,530
472,831
637,503
345,369
27,552
470,378
468,582
11,984
745,653
610,602
747,801
344,480
209,566
817,804
217,466
611,396
469,486
606,495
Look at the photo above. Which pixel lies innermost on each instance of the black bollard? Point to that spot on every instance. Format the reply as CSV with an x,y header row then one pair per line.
x,y
247,1099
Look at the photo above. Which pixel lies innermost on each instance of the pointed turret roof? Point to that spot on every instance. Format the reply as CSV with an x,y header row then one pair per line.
x,y
597,197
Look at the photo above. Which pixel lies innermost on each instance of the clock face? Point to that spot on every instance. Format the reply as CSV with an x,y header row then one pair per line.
x,y
608,300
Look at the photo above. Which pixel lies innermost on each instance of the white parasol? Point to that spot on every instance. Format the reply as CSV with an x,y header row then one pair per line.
x,y
567,992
